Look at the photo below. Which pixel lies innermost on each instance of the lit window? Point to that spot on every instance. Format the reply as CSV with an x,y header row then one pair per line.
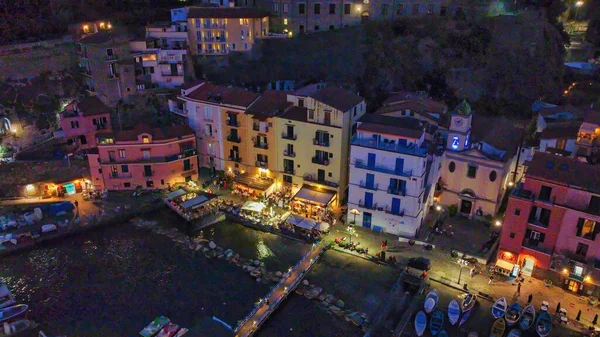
x,y
145,139
285,21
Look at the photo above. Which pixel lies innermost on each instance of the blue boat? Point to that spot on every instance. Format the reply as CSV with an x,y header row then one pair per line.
x,y
465,317
543,325
513,314
499,308
527,318
514,333
420,323
436,322
443,333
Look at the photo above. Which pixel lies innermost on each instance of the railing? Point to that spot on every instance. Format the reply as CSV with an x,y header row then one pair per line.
x,y
148,174
261,145
112,57
113,76
533,245
396,191
101,127
162,159
367,206
256,127
393,147
235,139
320,161
326,182
289,136
181,112
261,164
120,175
371,186
235,159
233,122
170,74
523,194
359,163
399,212
320,142
287,153
289,170
537,222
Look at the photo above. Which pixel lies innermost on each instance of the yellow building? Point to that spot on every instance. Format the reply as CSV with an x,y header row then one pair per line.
x,y
313,144
219,30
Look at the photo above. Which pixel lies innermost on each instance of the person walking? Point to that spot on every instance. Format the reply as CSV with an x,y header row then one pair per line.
x,y
529,298
519,288
557,308
472,272
491,279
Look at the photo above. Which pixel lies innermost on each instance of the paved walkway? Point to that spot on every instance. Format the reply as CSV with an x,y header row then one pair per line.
x,y
280,292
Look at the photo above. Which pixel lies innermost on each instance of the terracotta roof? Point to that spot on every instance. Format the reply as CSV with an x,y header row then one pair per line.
x,y
223,95
500,132
337,98
396,126
296,113
419,103
164,133
191,84
271,103
91,106
226,12
559,132
100,37
564,170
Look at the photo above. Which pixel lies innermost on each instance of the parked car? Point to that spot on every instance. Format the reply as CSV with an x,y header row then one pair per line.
x,y
419,263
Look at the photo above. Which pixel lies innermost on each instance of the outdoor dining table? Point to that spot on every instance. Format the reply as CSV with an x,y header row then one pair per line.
x,y
546,304
544,308
564,319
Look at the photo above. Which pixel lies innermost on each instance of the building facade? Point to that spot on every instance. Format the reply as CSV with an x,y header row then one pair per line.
x,y
389,174
552,221
148,158
104,63
221,30
81,120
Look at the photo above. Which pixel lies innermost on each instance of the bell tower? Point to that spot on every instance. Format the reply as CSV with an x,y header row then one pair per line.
x,y
459,132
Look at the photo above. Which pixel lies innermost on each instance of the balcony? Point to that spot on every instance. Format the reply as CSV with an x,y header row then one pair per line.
x,y
236,159
320,142
233,123
149,174
261,163
290,154
362,164
587,140
534,245
170,74
372,206
289,170
101,127
327,182
85,71
256,127
215,51
289,136
180,112
411,149
156,160
396,191
120,175
234,138
167,61
259,145
320,161
371,186
113,76
400,212
112,58
521,193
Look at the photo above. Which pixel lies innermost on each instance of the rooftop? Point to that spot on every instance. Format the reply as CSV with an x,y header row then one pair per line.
x,y
568,131
563,112
101,37
296,113
337,98
270,103
392,146
226,12
415,102
500,132
396,126
463,108
564,170
92,105
163,133
209,92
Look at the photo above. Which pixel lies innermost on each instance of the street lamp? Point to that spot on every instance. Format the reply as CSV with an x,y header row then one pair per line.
x,y
351,231
462,264
438,208
498,223
577,5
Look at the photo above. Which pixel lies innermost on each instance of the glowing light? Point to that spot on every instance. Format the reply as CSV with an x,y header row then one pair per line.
x,y
229,169
587,279
13,130
30,188
358,8
565,271
498,223
101,24
455,142
109,26
511,184
508,254
579,3
290,34
285,21
438,208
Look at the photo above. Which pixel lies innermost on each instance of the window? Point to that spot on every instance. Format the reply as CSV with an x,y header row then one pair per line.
x,y
287,179
145,139
561,143
347,9
443,10
150,184
493,176
146,154
301,8
121,153
400,9
545,193
311,114
124,168
594,206
245,46
415,9
301,103
74,124
285,21
517,211
430,9
162,181
331,8
451,167
316,28
384,9
354,113
276,6
472,171
317,8
286,7
207,111
129,184
587,229
331,27
582,249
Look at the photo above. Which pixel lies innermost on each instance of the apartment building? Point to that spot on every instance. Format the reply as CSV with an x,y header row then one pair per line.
x,y
149,158
221,30
389,174
587,141
314,137
551,224
81,120
104,62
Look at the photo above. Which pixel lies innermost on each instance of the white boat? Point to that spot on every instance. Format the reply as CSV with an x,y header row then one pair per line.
x,y
499,308
514,333
527,317
12,312
453,312
14,328
420,323
431,301
468,302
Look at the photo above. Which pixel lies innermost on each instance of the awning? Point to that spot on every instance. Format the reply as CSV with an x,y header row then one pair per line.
x,y
193,203
322,197
504,265
322,226
301,222
176,194
253,206
188,173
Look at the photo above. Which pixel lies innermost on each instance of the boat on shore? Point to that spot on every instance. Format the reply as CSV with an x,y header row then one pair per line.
x,y
169,330
543,325
527,317
468,302
513,314
453,312
14,328
6,298
420,323
436,322
155,326
465,318
12,312
514,333
498,328
443,333
431,301
499,308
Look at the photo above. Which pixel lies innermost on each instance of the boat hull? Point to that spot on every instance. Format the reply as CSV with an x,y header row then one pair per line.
x,y
465,317
453,312
420,323
12,312
513,313
543,324
431,301
527,318
498,328
436,322
499,308
468,302
514,333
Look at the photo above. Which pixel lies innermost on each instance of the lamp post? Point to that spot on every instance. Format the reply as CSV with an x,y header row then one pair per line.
x,y
462,264
578,4
351,231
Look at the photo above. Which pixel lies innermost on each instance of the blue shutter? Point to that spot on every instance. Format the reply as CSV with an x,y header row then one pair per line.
x,y
399,165
370,180
371,160
395,206
368,200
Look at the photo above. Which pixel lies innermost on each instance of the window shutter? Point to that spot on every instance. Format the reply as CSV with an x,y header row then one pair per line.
x,y
596,230
94,121
528,234
580,226
542,237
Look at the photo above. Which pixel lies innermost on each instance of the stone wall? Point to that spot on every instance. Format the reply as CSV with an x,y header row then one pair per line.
x,y
33,62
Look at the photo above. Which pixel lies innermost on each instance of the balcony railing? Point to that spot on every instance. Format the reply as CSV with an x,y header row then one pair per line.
x,y
170,74
113,76
290,154
215,51
411,148
261,145
320,142
256,127
261,163
148,174
233,123
399,212
521,193
112,58
236,159
235,139
537,222
362,204
327,182
289,136
396,191
534,245
101,127
320,161
371,186
120,175
381,168
84,71
289,170
180,112
161,159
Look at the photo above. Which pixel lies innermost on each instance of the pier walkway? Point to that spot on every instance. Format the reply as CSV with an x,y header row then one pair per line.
x,y
249,325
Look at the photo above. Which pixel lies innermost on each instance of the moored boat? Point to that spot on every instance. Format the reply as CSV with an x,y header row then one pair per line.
x,y
499,307
513,313
420,323
181,332
468,302
155,326
6,298
453,312
465,318
498,328
443,333
543,325
514,333
436,322
14,328
169,330
527,318
431,301
12,312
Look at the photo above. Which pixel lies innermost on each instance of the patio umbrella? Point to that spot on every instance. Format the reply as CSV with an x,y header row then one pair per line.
x,y
354,212
595,321
578,318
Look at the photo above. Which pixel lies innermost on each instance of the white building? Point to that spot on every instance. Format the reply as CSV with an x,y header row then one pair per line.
x,y
389,174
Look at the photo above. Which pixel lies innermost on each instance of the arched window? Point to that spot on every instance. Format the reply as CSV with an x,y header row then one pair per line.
x,y
451,167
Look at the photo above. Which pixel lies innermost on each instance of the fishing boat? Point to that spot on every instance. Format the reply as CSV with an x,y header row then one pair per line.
x,y
468,302
431,301
499,307
513,314
453,312
443,333
420,323
514,333
14,328
527,318
465,318
181,332
498,328
169,330
436,322
12,312
154,327
543,326
6,298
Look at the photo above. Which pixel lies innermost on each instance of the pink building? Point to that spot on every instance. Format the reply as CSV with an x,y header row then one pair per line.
x,y
81,120
551,224
152,158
